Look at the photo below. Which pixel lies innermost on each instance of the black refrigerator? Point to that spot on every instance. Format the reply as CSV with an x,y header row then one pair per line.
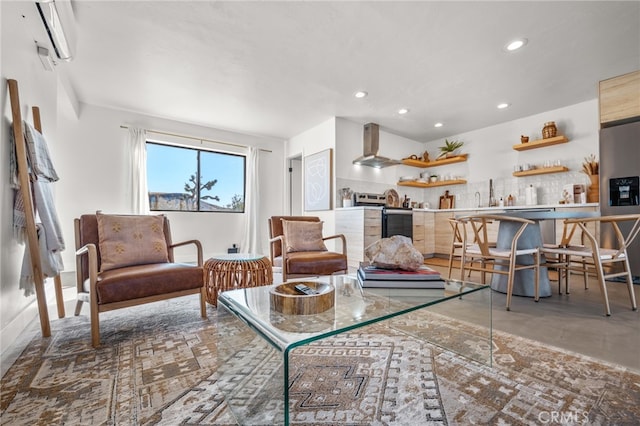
x,y
620,183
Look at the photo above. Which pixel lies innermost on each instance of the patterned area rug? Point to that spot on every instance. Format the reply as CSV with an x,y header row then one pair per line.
x,y
158,365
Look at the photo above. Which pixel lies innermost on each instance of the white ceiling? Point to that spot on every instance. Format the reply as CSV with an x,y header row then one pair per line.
x,y
279,68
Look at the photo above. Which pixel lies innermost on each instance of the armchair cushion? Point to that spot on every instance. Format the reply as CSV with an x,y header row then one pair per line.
x,y
131,240
314,263
135,282
303,236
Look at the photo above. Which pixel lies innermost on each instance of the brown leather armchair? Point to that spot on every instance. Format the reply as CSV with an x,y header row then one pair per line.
x,y
303,263
131,285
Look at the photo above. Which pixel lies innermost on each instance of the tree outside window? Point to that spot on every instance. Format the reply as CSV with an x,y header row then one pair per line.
x,y
189,179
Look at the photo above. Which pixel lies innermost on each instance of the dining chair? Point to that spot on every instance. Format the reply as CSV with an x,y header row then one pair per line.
x,y
485,257
554,259
455,251
591,258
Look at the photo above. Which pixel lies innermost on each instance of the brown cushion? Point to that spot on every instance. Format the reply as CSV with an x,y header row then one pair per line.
x,y
318,263
275,229
134,282
127,240
302,236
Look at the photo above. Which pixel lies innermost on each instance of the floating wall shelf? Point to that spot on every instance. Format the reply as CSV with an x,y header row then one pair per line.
x,y
435,163
415,184
543,171
541,143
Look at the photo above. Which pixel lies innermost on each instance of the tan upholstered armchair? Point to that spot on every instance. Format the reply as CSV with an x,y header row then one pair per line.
x,y
127,260
297,247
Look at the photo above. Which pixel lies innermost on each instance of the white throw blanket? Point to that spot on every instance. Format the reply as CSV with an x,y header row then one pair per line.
x,y
50,239
50,262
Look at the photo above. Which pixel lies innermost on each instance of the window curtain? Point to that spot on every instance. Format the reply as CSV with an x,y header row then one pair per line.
x,y
137,143
251,240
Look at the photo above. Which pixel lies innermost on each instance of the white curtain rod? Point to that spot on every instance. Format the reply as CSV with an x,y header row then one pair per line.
x,y
195,138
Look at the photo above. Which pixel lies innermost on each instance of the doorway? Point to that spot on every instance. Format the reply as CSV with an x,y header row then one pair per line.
x,y
295,185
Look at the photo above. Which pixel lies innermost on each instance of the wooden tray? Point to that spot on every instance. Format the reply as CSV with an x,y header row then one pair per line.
x,y
285,299
446,201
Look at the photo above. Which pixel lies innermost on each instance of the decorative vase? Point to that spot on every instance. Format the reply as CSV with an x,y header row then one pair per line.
x,y
593,193
549,130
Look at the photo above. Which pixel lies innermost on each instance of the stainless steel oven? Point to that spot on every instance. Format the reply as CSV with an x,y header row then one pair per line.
x,y
397,221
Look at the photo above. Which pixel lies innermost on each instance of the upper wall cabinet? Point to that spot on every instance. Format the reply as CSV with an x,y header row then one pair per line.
x,y
620,98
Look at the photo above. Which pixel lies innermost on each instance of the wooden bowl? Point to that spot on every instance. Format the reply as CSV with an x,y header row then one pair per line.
x,y
287,300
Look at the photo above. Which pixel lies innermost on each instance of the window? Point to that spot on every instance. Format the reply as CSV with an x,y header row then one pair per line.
x,y
189,179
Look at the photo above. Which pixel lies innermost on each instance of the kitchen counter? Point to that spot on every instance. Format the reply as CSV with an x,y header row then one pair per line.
x,y
432,233
487,209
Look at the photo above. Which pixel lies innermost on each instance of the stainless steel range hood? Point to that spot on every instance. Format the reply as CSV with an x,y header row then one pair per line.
x,y
370,155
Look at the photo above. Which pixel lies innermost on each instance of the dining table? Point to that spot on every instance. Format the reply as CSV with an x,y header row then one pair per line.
x,y
524,280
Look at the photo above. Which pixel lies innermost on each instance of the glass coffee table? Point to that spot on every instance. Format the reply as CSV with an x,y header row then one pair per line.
x,y
255,341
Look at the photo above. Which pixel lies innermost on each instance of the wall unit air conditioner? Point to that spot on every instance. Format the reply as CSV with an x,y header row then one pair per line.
x,y
57,17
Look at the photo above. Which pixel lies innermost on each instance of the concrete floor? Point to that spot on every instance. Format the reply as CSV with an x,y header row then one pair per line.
x,y
575,322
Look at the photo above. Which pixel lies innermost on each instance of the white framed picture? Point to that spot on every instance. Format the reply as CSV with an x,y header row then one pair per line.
x,y
317,180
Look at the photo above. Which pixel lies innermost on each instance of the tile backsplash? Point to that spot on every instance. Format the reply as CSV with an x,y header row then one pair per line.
x,y
549,188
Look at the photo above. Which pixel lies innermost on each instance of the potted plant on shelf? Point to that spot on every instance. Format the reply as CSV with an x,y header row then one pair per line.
x,y
449,149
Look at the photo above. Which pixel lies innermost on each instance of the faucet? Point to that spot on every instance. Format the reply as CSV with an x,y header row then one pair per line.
x,y
478,199
492,198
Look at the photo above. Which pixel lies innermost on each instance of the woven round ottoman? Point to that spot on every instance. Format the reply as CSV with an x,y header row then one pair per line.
x,y
232,271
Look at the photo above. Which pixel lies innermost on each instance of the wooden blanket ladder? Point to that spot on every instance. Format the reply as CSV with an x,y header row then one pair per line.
x,y
30,211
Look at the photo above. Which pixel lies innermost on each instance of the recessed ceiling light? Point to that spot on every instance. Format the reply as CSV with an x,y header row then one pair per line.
x,y
403,111
516,44
360,94
438,125
503,105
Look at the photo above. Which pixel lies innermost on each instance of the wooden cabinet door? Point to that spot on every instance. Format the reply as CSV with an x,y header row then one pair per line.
x,y
418,231
372,226
443,233
350,223
429,233
620,98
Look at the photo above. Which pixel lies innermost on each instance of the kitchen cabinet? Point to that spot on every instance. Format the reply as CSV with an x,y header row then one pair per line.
x,y
423,238
361,228
419,231
443,234
619,98
429,237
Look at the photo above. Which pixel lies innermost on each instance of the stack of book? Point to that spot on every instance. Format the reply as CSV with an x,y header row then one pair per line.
x,y
374,277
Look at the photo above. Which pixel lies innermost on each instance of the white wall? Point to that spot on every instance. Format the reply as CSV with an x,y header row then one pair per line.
x,y
490,156
368,179
19,61
93,167
316,139
89,153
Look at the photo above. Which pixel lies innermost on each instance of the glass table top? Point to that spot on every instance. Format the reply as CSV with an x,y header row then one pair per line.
x,y
353,307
